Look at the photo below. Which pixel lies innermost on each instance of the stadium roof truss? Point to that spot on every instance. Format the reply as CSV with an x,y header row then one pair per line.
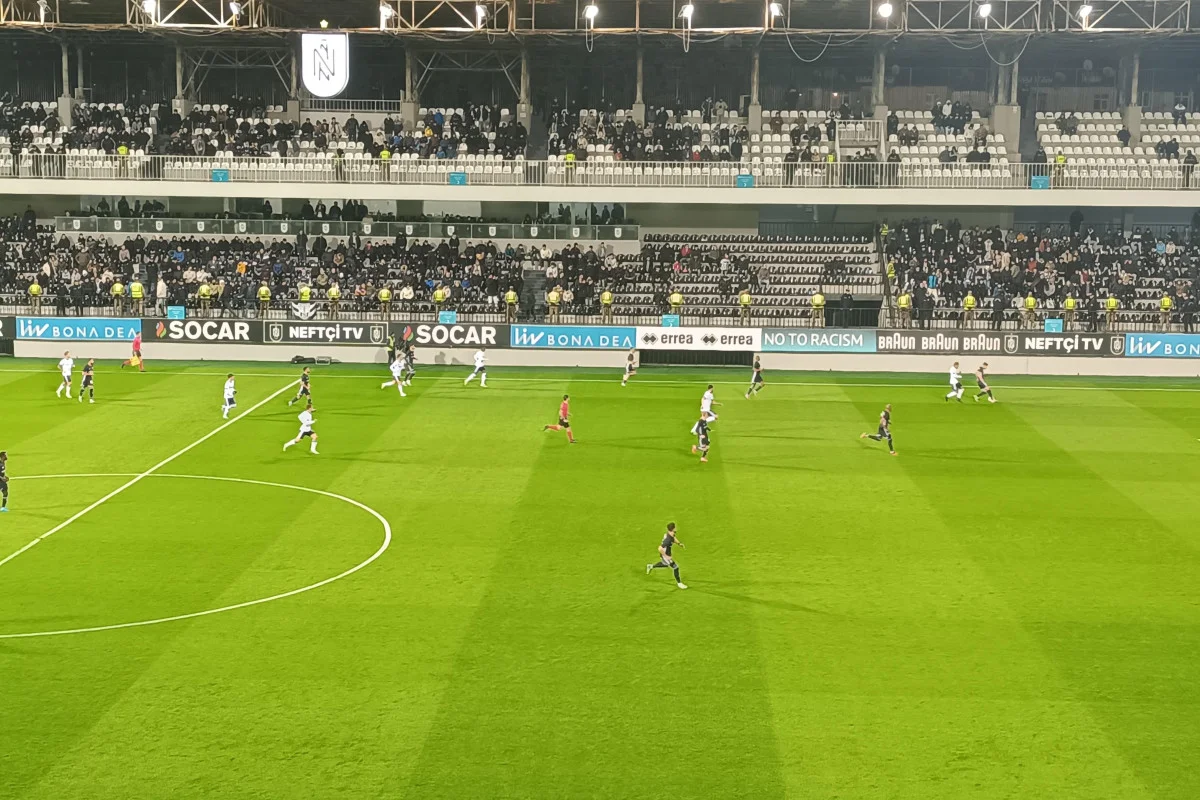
x,y
962,16
196,14
1121,16
28,12
446,15
506,62
199,62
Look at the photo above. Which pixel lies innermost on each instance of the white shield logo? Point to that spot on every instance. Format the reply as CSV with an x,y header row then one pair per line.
x,y
616,233
75,224
324,227
408,229
366,229
533,229
158,224
283,227
241,226
1118,345
449,230
1010,343
116,224
325,62
200,227
491,230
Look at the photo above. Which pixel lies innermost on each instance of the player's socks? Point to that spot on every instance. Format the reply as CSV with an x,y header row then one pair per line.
x,y
58,391
313,449
288,444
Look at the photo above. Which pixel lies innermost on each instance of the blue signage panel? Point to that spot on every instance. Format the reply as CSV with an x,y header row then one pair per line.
x,y
818,340
745,181
1054,325
670,320
458,179
1162,345
78,329
447,318
176,312
220,176
1039,182
574,337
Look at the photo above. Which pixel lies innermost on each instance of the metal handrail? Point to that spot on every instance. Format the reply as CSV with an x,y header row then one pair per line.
x,y
351,169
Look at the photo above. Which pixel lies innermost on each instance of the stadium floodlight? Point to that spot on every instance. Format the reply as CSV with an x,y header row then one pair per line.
x,y
686,12
43,10
590,12
150,7
985,10
324,24
1085,11
884,10
481,14
386,12
775,10
235,8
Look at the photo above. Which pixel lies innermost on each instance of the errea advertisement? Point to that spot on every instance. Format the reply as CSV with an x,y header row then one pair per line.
x,y
728,339
77,329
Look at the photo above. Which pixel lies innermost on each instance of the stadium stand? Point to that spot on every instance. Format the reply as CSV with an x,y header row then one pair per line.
x,y
939,263
668,135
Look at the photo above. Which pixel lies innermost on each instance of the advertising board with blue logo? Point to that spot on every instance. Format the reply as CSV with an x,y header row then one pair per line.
x,y
574,337
77,329
818,340
1162,345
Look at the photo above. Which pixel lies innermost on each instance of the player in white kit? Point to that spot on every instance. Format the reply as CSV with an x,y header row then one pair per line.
x,y
480,370
706,404
306,430
956,387
230,393
397,380
65,365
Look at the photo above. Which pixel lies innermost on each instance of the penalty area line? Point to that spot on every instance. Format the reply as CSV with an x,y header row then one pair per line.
x,y
142,475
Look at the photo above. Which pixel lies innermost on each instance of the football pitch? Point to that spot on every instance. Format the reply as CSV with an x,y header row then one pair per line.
x,y
448,602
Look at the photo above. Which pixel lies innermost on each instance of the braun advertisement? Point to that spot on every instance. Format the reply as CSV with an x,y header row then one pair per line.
x,y
1000,343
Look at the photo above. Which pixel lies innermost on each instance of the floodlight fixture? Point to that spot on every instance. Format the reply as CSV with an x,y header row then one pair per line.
x,y
1085,11
235,8
481,14
686,12
776,10
884,10
590,12
985,10
150,7
324,24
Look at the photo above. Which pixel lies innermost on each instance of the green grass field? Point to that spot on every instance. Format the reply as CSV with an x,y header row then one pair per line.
x,y
1006,610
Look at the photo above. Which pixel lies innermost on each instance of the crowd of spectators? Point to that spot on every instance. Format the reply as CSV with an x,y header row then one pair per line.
x,y
663,137
939,263
951,116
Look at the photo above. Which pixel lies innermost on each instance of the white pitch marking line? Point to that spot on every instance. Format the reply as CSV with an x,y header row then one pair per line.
x,y
139,476
387,542
653,381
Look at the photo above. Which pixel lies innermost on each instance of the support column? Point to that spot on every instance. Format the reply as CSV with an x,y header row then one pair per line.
x,y
1132,112
1006,114
181,104
293,102
524,108
64,97
878,85
410,109
639,101
1014,83
79,73
754,113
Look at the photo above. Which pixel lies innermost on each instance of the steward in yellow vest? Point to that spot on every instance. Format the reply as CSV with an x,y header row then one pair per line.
x,y
334,295
904,303
818,309
204,295
510,302
305,293
137,293
606,305
385,301
676,301
1070,305
264,298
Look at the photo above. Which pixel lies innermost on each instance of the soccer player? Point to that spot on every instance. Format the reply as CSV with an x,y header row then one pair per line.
x,y
630,368
700,429
135,360
665,560
88,384
756,380
3,480
230,396
981,379
706,404
397,368
480,370
306,430
564,419
65,365
305,389
885,429
410,360
956,387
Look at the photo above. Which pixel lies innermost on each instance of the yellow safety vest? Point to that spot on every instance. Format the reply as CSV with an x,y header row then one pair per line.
x,y
1030,303
334,293
606,297
744,299
883,232
385,154
1111,303
552,298
510,297
117,289
903,300
818,300
385,295
439,295
1165,303
264,293
969,302
135,290
35,289
676,299
205,291
305,293
1069,304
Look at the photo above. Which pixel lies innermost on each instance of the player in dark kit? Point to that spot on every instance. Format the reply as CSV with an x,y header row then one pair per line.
x,y
410,361
305,389
564,420
665,560
756,380
89,384
630,368
981,379
885,429
3,480
700,429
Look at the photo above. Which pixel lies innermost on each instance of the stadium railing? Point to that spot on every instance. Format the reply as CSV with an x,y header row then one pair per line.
x,y
466,231
480,171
